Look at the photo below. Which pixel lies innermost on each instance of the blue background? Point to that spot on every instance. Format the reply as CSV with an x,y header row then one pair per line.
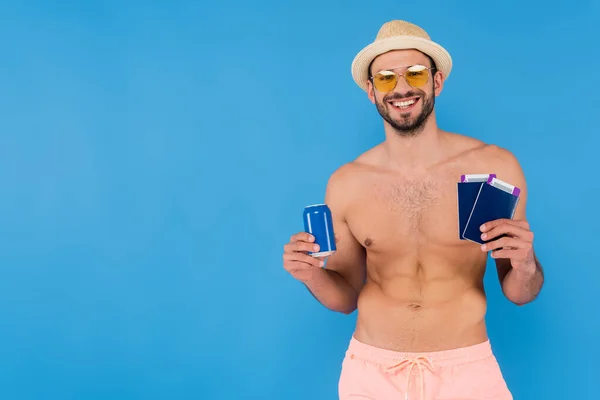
x,y
155,158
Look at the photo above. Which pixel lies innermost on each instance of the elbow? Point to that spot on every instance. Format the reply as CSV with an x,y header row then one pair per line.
x,y
520,300
345,307
521,294
347,310
520,303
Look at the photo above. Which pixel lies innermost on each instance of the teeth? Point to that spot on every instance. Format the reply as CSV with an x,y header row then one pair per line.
x,y
404,104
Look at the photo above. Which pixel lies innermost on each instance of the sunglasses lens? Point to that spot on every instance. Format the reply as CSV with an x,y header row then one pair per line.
x,y
385,81
416,76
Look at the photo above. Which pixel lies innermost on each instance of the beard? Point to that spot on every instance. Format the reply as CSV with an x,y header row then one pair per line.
x,y
406,125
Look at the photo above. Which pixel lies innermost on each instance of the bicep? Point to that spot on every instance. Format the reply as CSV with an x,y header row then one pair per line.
x,y
514,175
503,267
349,261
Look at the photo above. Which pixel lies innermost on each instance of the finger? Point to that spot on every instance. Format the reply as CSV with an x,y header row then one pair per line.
x,y
302,237
508,229
512,254
501,221
301,247
301,261
505,242
505,253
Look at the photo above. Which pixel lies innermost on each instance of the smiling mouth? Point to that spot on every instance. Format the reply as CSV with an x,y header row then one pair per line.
x,y
404,105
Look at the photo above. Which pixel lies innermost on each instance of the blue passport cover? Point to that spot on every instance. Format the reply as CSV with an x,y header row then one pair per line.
x,y
491,203
467,191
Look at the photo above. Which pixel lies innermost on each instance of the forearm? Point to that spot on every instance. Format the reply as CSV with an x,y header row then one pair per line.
x,y
523,286
333,291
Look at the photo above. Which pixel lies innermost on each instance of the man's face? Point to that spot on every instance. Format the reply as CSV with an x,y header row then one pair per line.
x,y
405,108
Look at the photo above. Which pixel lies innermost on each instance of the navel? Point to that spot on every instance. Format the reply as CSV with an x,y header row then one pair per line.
x,y
415,306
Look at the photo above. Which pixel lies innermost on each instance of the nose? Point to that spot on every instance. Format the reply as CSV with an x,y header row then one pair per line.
x,y
401,86
403,90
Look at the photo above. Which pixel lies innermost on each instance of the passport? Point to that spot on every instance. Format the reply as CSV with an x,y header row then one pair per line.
x,y
495,199
467,190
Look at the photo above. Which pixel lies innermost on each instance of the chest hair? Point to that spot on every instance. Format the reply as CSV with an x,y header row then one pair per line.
x,y
411,199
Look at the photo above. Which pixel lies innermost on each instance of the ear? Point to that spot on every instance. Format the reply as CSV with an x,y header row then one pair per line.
x,y
371,91
438,83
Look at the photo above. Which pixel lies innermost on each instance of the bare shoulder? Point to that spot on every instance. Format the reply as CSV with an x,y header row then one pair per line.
x,y
506,166
489,158
492,156
351,172
504,163
460,145
347,180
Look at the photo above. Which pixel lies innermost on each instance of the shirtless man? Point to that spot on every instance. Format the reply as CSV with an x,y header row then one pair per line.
x,y
418,289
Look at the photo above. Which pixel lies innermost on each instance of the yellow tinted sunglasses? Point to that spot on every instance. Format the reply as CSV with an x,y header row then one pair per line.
x,y
416,76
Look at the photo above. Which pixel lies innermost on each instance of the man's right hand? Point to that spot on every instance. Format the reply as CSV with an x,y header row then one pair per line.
x,y
296,259
328,286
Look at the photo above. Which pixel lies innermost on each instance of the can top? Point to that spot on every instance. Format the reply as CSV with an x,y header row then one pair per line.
x,y
315,205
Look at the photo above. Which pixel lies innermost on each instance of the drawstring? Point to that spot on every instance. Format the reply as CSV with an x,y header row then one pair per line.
x,y
420,362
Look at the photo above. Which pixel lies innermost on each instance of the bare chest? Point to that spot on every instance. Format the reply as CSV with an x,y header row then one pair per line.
x,y
414,212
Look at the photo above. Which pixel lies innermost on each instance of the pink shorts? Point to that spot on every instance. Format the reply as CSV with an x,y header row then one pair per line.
x,y
370,373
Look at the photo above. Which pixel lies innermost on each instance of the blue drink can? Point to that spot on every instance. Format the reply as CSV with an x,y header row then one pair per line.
x,y
318,222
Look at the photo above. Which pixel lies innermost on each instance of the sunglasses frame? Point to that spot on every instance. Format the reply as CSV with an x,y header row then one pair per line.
x,y
401,74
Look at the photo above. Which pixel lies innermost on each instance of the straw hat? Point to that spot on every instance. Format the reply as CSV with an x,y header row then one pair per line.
x,y
399,35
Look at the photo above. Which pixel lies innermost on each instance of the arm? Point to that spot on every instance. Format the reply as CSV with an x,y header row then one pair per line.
x,y
519,270
520,287
338,285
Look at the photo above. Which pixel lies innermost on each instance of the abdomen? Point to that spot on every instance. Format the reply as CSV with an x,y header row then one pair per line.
x,y
422,307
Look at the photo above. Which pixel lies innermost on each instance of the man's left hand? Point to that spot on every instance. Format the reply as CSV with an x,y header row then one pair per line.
x,y
510,239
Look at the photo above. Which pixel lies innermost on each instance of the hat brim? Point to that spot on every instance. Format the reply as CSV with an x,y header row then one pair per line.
x,y
363,59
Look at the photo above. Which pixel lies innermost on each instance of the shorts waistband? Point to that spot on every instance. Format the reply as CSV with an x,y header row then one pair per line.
x,y
462,355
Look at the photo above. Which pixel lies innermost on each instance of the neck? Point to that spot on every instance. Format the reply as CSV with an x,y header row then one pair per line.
x,y
415,151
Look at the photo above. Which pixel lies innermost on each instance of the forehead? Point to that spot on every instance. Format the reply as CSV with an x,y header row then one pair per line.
x,y
396,58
